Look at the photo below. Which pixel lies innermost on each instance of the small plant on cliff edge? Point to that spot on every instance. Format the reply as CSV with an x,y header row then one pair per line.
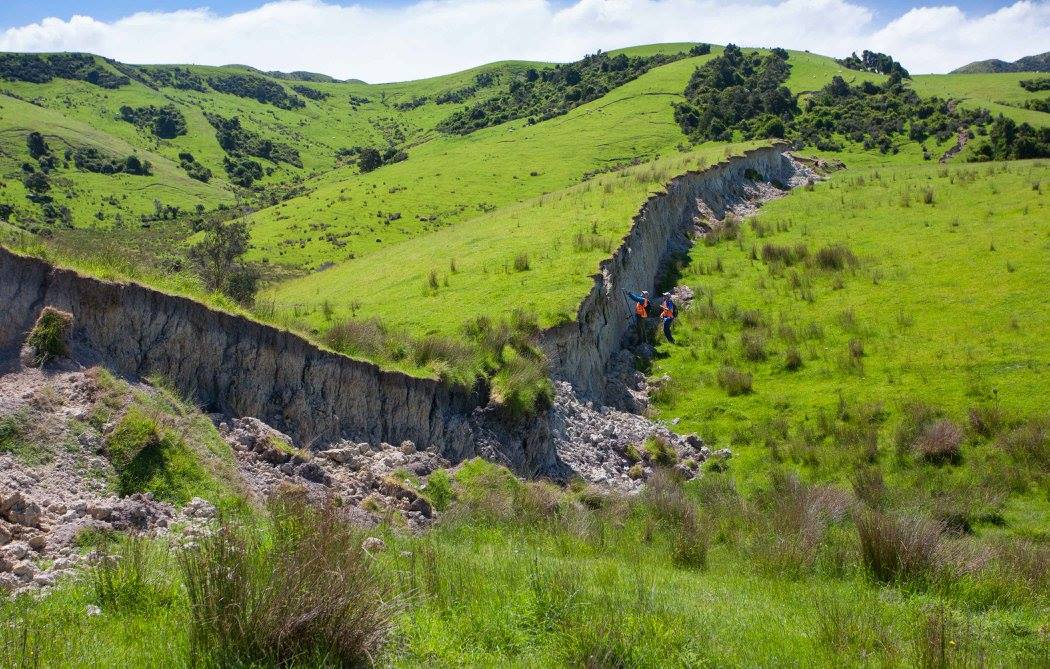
x,y
49,338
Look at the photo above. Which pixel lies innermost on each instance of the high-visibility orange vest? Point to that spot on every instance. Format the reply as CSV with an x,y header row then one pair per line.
x,y
642,309
665,311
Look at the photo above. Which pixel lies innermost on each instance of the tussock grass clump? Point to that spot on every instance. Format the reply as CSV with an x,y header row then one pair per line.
x,y
49,338
754,345
987,420
660,452
353,337
784,254
899,549
915,417
752,318
1029,443
792,524
521,262
669,505
792,359
734,381
308,595
836,257
940,442
583,242
132,578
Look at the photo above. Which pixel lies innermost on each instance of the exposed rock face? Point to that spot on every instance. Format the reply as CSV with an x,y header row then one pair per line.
x,y
579,351
235,365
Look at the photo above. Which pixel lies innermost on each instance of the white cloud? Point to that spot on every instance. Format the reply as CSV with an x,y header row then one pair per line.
x,y
431,37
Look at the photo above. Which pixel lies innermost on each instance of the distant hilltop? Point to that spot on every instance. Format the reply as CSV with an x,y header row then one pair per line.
x,y
1038,63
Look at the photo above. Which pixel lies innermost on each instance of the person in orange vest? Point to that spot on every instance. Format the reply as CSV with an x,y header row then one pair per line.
x,y
640,316
668,312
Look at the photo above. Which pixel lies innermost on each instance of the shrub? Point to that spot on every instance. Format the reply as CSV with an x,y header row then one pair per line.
x,y
754,345
836,257
438,489
898,549
309,595
939,442
660,451
734,381
49,337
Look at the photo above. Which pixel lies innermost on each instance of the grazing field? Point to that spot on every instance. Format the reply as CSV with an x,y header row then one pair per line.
x,y
878,303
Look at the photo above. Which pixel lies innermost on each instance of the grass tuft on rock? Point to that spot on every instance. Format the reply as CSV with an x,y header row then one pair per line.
x,y
49,338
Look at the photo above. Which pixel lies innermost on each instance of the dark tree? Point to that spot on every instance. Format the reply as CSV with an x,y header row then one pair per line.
x,y
37,146
217,255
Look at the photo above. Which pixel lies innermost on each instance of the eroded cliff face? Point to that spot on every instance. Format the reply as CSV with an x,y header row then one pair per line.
x,y
579,351
234,365
240,367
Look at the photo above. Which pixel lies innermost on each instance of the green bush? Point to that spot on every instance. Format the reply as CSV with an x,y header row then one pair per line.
x,y
49,337
148,458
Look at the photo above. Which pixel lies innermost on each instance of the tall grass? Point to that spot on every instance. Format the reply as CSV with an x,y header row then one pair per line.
x,y
306,593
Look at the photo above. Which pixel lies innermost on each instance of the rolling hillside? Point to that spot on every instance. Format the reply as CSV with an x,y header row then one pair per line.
x,y
841,458
335,241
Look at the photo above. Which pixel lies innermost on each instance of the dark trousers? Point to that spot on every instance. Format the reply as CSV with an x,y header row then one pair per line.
x,y
667,329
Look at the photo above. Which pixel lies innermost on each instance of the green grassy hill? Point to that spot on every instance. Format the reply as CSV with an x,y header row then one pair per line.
x,y
933,303
874,349
1000,93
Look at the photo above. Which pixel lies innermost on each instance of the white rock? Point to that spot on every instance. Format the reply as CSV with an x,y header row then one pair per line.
x,y
373,545
93,610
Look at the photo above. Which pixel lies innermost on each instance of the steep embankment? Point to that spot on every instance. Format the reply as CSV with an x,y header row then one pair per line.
x,y
240,367
579,351
232,364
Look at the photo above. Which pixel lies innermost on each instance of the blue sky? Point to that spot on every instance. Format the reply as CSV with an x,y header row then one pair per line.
x,y
389,40
20,12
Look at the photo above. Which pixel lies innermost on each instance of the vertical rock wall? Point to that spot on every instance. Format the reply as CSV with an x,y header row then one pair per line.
x,y
579,351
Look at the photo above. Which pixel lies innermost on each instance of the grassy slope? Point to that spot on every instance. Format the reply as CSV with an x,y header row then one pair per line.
x,y
456,178
998,93
74,113
526,576
392,283
948,303
453,177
